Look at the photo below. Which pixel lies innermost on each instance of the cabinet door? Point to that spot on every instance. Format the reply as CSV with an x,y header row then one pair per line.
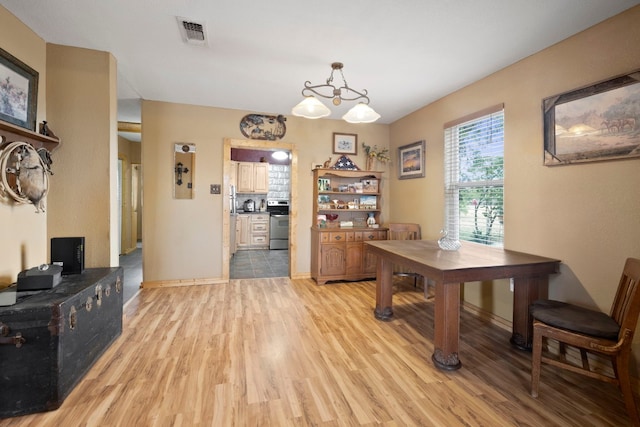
x,y
354,258
245,177
332,259
369,262
244,239
261,177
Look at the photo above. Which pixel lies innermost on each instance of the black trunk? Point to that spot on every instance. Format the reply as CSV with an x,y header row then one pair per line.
x,y
65,330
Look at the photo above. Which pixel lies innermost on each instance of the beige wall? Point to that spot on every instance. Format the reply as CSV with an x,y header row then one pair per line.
x,y
183,238
129,152
24,232
81,94
586,215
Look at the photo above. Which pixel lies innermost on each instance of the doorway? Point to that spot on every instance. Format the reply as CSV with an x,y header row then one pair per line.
x,y
258,255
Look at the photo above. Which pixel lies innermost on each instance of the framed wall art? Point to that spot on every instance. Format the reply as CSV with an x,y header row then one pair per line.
x,y
345,143
593,123
18,91
411,160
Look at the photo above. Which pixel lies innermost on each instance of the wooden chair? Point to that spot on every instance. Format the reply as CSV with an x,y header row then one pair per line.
x,y
405,231
593,332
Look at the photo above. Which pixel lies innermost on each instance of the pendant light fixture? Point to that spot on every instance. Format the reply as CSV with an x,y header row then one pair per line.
x,y
311,108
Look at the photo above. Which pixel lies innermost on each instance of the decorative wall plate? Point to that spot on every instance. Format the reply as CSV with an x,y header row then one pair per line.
x,y
260,126
345,163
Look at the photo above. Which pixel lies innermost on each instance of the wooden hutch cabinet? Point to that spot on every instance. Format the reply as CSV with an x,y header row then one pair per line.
x,y
338,251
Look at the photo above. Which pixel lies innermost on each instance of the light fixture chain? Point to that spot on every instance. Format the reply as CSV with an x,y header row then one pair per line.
x,y
346,85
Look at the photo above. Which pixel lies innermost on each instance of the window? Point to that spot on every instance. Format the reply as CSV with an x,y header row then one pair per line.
x,y
474,177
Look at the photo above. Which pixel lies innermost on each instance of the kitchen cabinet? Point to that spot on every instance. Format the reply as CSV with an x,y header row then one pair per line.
x,y
253,177
338,249
253,231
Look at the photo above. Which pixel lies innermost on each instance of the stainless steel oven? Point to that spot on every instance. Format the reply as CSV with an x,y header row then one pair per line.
x,y
278,224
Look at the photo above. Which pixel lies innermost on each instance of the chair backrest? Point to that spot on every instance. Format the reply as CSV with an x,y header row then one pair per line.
x,y
626,305
404,231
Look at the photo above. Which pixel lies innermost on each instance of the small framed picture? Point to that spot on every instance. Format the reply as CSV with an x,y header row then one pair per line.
x,y
345,143
411,164
18,91
368,202
369,185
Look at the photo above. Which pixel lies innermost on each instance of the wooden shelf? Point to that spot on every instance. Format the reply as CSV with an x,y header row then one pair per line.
x,y
347,173
346,192
12,133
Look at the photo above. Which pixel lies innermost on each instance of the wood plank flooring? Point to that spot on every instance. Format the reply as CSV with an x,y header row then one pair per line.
x,y
276,352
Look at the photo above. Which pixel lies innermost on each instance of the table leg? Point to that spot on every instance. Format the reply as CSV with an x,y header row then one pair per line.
x,y
384,291
447,326
525,291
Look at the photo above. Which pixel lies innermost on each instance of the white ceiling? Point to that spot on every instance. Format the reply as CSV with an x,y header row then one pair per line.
x,y
406,53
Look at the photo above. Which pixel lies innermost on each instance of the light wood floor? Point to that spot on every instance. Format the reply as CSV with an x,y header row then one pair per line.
x,y
275,352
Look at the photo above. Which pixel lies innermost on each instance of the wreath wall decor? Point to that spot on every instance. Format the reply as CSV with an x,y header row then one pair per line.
x,y
24,174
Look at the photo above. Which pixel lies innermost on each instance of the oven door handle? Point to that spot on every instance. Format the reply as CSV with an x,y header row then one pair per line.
x,y
278,216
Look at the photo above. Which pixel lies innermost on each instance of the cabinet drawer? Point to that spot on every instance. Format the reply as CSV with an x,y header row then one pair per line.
x,y
370,235
259,218
260,239
334,237
374,235
259,227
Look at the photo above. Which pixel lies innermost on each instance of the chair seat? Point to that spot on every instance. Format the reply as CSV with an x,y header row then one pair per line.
x,y
576,319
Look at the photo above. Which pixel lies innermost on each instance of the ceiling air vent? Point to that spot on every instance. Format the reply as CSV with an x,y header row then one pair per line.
x,y
192,32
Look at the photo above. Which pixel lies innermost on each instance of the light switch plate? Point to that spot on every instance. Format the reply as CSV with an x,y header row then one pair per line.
x,y
215,188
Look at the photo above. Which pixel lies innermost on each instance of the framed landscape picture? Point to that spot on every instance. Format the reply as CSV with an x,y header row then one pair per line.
x,y
345,143
593,123
411,160
18,91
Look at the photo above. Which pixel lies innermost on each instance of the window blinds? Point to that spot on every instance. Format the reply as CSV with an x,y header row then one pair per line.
x,y
474,177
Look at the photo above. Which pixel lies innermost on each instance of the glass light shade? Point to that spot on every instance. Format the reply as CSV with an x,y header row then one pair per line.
x,y
310,108
280,155
361,113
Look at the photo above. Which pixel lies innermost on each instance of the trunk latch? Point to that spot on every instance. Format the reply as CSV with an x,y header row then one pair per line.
x,y
17,340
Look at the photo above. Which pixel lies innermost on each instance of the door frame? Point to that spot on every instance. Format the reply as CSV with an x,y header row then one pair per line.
x,y
230,143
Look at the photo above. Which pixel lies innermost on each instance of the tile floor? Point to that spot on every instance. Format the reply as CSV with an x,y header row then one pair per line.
x,y
259,264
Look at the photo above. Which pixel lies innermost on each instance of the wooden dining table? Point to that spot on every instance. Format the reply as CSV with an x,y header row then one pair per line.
x,y
449,270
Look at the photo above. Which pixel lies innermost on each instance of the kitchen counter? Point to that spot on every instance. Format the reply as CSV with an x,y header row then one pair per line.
x,y
239,211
